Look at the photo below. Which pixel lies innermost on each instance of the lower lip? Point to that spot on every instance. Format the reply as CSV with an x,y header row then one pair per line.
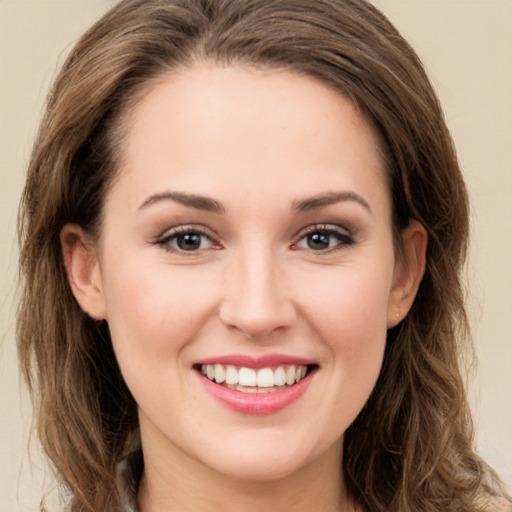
x,y
257,403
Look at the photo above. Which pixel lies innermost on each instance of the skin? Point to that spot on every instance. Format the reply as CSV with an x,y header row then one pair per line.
x,y
260,144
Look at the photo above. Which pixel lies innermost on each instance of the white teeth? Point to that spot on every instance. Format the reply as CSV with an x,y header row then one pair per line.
x,y
290,375
246,376
231,374
250,380
265,378
279,376
220,374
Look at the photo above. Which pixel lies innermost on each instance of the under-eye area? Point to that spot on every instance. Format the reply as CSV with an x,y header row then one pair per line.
x,y
251,380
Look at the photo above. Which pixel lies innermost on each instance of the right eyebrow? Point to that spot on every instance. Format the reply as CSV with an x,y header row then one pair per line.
x,y
191,200
322,200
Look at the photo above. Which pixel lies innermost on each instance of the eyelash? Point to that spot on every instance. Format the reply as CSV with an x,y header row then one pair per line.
x,y
344,239
165,240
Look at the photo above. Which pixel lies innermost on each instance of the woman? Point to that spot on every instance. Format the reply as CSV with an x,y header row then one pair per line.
x,y
242,228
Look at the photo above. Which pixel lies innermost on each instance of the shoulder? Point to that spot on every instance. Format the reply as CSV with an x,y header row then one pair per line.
x,y
497,504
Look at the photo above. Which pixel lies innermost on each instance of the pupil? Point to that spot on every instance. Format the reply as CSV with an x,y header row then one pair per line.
x,y
189,242
318,241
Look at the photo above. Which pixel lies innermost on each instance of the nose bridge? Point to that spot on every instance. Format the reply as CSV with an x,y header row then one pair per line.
x,y
255,297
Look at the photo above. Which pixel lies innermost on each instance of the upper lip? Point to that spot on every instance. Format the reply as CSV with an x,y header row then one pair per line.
x,y
264,361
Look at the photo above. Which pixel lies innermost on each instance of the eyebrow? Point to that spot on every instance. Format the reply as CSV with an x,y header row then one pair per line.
x,y
322,200
191,200
211,205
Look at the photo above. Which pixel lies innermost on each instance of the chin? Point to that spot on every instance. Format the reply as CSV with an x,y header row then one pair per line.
x,y
258,468
270,457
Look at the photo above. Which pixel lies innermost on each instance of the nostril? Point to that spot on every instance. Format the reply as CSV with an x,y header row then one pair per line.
x,y
258,325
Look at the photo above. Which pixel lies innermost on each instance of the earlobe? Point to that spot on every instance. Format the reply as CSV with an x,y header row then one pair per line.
x,y
409,270
83,270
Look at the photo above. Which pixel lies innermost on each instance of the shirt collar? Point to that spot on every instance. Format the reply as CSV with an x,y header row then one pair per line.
x,y
128,476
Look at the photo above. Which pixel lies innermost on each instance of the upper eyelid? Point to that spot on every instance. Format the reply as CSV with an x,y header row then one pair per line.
x,y
168,244
345,236
179,230
164,239
327,227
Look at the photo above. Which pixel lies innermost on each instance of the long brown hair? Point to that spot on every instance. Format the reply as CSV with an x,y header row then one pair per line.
x,y
411,446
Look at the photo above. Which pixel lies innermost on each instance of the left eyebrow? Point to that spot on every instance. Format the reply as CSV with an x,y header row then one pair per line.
x,y
190,200
322,200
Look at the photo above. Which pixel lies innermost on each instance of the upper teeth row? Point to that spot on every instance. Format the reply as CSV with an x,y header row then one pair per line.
x,y
264,377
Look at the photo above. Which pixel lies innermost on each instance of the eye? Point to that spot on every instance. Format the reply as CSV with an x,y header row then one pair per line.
x,y
324,239
186,240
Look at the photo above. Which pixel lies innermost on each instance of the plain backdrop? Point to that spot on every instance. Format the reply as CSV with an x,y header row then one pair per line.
x,y
466,46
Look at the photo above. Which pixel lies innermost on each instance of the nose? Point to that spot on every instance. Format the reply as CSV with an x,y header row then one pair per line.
x,y
256,301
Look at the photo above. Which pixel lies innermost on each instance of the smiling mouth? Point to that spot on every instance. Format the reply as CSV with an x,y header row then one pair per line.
x,y
250,380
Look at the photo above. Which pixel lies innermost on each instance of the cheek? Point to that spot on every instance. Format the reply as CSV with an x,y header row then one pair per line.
x,y
348,313
357,337
154,313
155,307
352,300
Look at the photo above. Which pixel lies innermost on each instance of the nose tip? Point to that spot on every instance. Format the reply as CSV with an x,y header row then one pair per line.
x,y
256,326
256,303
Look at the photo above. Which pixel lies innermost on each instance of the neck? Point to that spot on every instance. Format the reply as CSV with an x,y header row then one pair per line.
x,y
175,482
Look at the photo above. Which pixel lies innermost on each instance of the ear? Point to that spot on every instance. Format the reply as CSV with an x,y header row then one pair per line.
x,y
409,270
83,270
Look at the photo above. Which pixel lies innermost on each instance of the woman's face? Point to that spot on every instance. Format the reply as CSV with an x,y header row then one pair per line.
x,y
247,237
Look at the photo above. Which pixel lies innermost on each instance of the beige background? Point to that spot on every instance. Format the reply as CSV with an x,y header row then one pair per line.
x,y
467,48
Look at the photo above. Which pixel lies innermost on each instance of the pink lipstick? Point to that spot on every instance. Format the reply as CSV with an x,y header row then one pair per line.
x,y
263,385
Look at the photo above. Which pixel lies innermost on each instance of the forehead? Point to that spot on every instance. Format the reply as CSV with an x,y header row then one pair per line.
x,y
206,126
